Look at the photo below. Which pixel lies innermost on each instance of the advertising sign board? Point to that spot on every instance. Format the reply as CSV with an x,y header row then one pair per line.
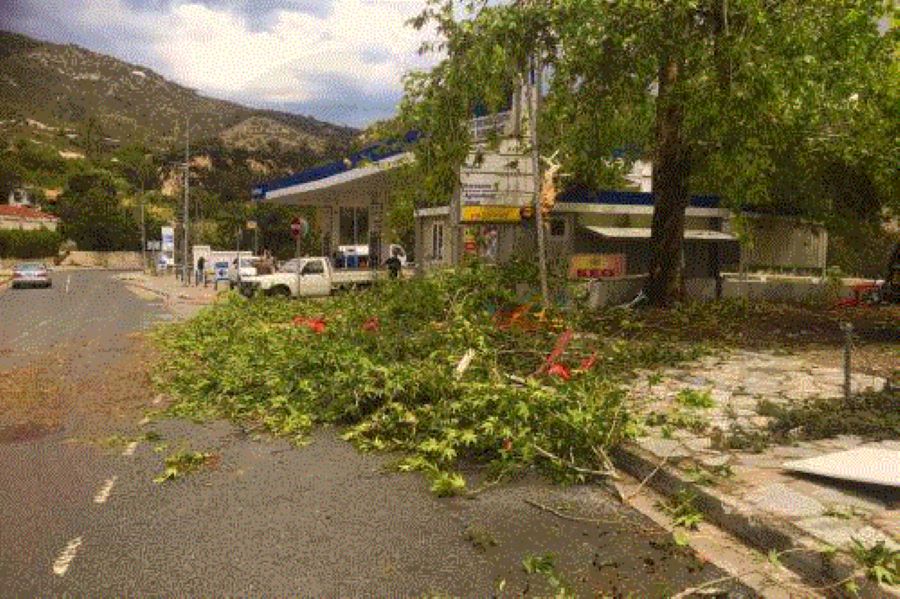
x,y
596,266
168,239
495,183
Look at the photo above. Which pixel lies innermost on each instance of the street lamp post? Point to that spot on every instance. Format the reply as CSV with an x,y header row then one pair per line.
x,y
186,267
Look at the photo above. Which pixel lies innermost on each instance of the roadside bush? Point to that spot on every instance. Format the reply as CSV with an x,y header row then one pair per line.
x,y
385,363
41,243
873,415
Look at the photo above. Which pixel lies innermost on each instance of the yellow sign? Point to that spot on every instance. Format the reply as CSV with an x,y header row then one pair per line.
x,y
596,266
490,214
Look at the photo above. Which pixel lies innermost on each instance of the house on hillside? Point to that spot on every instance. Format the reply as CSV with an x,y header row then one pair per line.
x,y
21,196
24,218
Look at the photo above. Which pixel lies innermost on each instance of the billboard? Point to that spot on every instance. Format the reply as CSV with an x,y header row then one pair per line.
x,y
168,239
596,266
495,183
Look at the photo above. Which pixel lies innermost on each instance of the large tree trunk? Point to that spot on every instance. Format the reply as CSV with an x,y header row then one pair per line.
x,y
671,170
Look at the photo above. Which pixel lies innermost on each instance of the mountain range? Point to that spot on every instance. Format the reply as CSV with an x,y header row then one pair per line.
x,y
66,93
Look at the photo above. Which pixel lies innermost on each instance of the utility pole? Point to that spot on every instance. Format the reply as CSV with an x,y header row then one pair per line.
x,y
143,228
534,106
186,267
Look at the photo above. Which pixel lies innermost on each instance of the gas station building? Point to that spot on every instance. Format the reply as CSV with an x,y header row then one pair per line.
x,y
349,196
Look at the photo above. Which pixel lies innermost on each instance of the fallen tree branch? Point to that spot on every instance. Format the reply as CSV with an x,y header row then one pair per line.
x,y
708,587
644,482
559,514
572,466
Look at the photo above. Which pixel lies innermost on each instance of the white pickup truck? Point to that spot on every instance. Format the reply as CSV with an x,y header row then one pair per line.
x,y
307,277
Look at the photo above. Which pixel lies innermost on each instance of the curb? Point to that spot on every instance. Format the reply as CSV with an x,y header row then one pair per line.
x,y
164,294
760,531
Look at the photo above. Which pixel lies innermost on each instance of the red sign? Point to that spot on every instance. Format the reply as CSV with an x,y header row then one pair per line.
x,y
597,266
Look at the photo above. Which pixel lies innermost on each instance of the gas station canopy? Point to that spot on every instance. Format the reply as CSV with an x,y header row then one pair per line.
x,y
358,175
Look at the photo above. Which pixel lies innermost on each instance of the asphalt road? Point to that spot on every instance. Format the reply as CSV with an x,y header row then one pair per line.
x,y
85,518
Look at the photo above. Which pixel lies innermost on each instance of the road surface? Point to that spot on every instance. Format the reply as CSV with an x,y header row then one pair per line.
x,y
80,513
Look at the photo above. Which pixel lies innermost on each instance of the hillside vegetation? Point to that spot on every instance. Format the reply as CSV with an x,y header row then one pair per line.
x,y
108,101
71,118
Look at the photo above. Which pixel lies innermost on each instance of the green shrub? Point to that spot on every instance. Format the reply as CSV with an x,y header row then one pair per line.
x,y
40,243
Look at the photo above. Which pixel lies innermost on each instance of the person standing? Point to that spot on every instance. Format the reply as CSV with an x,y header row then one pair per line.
x,y
201,271
394,265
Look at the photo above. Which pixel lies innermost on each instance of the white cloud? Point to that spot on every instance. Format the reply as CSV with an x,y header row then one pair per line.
x,y
361,45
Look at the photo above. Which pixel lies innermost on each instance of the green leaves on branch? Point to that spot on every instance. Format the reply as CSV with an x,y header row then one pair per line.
x,y
395,387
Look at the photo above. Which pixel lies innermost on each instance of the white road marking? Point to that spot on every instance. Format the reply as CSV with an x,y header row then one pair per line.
x,y
129,450
61,565
103,494
68,280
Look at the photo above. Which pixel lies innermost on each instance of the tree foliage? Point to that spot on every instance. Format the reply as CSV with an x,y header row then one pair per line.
x,y
93,216
749,99
38,243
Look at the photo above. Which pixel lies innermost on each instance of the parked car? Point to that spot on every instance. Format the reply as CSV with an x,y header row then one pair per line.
x,y
31,274
308,277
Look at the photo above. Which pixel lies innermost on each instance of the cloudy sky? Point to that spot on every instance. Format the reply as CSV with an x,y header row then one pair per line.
x,y
338,60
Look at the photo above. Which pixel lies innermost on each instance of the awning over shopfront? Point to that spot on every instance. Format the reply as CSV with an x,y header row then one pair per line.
x,y
644,233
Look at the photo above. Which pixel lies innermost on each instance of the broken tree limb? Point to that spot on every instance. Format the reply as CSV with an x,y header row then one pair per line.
x,y
572,466
464,363
644,482
559,514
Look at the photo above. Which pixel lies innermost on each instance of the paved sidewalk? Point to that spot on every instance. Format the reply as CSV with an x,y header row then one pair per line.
x,y
180,299
705,432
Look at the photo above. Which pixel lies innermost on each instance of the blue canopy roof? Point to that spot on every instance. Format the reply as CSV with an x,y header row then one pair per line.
x,y
372,154
394,147
628,198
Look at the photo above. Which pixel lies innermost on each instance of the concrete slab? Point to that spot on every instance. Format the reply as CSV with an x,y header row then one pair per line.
x,y
870,465
663,447
784,501
841,533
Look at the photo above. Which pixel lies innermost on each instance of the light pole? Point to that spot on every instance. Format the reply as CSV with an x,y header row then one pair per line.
x,y
143,230
186,266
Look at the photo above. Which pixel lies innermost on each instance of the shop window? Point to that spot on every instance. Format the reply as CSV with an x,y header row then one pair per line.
x,y
354,226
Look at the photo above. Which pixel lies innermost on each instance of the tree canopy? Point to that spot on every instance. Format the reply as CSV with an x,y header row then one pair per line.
x,y
92,215
754,100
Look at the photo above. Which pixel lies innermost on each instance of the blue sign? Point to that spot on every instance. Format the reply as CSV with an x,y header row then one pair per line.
x,y
221,269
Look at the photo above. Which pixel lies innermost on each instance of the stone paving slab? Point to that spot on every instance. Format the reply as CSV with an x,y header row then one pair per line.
x,y
692,440
781,500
